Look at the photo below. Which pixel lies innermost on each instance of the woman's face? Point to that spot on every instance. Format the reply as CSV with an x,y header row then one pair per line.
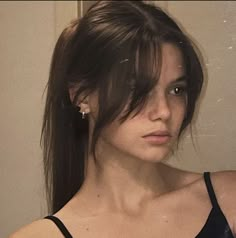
x,y
162,116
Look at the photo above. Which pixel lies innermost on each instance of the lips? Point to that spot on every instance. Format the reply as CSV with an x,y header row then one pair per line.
x,y
158,137
158,133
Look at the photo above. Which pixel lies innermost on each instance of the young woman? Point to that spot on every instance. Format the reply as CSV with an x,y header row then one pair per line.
x,y
123,87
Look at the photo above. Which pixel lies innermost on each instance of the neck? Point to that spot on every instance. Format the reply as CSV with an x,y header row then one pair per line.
x,y
121,183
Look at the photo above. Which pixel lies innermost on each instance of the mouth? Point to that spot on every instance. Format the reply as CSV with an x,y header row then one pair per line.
x,y
158,137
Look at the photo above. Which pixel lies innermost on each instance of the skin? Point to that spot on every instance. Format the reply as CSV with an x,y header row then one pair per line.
x,y
133,173
133,193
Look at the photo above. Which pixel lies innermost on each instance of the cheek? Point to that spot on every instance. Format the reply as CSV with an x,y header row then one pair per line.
x,y
178,109
178,104
119,135
112,133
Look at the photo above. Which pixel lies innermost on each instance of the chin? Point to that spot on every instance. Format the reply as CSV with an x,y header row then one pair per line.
x,y
155,156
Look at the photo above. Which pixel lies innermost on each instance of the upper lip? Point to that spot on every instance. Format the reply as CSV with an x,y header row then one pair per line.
x,y
159,133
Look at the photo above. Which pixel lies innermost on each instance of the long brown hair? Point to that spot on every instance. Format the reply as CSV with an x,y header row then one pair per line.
x,y
114,49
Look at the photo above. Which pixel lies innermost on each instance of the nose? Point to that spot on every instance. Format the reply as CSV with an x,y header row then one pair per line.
x,y
159,108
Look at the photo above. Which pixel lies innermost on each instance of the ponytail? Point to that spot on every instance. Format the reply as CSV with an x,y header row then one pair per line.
x,y
64,134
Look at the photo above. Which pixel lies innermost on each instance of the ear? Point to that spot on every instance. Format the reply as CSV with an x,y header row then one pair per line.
x,y
82,101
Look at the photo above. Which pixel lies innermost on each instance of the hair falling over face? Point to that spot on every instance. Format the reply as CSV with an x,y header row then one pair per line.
x,y
115,49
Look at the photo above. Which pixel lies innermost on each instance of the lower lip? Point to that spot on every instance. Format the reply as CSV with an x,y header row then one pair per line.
x,y
159,140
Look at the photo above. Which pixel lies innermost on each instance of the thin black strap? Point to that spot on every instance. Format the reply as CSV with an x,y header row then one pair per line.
x,y
60,226
210,190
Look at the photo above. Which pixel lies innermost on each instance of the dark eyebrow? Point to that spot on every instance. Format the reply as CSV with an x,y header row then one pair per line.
x,y
180,79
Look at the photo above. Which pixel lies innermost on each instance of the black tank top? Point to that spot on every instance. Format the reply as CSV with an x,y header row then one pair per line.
x,y
216,225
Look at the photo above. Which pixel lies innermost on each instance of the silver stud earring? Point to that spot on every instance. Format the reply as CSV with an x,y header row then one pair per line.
x,y
83,115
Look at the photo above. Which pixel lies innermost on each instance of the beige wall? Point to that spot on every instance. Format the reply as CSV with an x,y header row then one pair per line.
x,y
28,34
213,25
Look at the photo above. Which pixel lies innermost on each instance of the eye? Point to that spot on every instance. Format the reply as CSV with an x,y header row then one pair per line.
x,y
178,90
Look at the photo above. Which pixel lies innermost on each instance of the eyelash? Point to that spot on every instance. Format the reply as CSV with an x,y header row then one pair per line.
x,y
183,90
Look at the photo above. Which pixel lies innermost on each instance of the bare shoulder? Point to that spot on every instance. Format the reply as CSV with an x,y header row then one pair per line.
x,y
223,181
224,184
38,229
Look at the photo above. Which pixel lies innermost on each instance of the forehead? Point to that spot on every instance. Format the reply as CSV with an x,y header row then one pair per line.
x,y
172,66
